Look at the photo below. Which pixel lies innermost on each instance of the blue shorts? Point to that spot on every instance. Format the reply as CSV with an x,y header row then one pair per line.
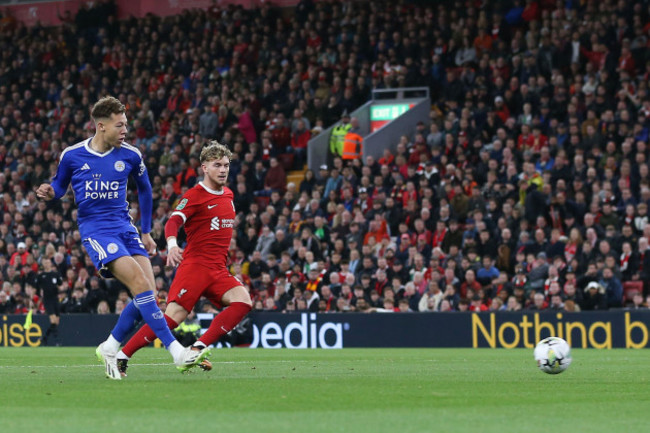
x,y
103,248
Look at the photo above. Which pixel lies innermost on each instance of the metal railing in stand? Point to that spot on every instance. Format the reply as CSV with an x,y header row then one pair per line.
x,y
385,137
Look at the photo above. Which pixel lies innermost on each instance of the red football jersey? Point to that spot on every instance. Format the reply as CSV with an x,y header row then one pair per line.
x,y
209,218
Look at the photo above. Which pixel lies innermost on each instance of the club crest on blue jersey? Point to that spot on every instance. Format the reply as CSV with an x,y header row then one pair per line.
x,y
99,182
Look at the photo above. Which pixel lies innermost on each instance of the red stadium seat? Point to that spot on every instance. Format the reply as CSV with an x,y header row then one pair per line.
x,y
286,160
630,288
262,202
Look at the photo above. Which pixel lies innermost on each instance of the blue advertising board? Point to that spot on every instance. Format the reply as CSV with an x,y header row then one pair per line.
x,y
601,330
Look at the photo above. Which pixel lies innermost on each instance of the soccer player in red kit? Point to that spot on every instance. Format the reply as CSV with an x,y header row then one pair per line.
x,y
208,213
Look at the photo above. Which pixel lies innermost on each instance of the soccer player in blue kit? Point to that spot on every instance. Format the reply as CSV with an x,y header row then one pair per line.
x,y
98,169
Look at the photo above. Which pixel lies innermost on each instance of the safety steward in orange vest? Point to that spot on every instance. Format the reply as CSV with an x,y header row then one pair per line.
x,y
352,146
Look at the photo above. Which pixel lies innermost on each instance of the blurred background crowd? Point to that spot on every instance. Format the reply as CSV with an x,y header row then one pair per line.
x,y
527,188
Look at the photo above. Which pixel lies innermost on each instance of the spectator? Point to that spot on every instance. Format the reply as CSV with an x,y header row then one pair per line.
x,y
594,297
550,142
77,302
299,138
487,272
613,288
539,303
103,308
19,258
264,242
208,123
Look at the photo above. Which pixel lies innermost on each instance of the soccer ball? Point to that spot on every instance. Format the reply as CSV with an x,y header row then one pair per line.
x,y
553,355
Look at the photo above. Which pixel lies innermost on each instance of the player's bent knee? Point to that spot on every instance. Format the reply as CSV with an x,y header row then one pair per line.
x,y
176,312
139,284
237,294
248,302
131,274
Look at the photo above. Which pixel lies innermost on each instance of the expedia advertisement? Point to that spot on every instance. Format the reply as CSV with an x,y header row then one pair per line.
x,y
602,330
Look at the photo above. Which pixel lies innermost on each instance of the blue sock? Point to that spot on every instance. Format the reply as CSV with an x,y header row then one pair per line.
x,y
146,303
128,319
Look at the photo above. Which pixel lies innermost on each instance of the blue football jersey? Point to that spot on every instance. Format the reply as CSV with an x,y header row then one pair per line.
x,y
99,182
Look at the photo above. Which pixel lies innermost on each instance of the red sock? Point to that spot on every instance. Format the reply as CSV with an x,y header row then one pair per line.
x,y
224,322
143,337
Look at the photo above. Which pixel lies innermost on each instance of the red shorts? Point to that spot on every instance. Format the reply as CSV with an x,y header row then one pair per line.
x,y
193,281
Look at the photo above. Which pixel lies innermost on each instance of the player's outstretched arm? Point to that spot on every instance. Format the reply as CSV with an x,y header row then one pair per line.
x,y
45,192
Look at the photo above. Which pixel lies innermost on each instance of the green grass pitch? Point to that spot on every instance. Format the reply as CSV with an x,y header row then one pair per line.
x,y
349,390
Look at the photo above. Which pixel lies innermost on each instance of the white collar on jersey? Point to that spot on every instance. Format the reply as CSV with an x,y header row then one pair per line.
x,y
94,152
212,191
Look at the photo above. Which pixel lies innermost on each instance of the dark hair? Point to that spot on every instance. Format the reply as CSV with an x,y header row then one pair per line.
x,y
107,106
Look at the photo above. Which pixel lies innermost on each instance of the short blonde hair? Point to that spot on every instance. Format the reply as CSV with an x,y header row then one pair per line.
x,y
214,150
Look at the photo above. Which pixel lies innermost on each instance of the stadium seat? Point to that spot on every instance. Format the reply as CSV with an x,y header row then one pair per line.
x,y
630,288
286,159
262,202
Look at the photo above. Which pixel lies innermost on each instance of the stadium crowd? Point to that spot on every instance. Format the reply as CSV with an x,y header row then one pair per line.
x,y
528,187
